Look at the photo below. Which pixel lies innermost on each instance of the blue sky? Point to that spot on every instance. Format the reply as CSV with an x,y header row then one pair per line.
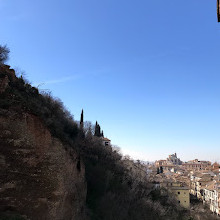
x,y
147,71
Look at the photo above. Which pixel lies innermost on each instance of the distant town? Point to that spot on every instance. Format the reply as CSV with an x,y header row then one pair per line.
x,y
187,181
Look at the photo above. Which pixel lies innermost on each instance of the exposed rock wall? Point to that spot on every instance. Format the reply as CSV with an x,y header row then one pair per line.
x,y
3,84
38,177
6,75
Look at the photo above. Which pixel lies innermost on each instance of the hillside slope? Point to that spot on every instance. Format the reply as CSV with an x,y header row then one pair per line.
x,y
40,177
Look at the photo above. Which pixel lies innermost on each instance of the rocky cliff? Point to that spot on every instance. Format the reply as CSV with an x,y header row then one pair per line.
x,y
40,176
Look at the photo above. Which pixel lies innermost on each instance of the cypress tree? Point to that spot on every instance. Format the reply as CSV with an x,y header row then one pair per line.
x,y
97,130
81,120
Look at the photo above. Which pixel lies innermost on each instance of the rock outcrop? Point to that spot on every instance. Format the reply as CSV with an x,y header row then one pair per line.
x,y
40,178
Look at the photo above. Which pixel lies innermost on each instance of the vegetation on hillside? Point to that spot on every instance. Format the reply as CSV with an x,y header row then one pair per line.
x,y
4,52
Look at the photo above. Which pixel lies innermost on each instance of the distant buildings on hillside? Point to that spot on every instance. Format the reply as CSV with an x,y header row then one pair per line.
x,y
179,190
106,141
205,186
169,164
172,161
196,165
201,179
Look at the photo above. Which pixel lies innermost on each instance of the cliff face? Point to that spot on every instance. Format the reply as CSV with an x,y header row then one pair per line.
x,y
39,178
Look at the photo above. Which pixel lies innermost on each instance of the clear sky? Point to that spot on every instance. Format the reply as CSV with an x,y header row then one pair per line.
x,y
146,70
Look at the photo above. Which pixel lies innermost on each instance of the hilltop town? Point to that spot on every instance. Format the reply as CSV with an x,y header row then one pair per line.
x,y
188,182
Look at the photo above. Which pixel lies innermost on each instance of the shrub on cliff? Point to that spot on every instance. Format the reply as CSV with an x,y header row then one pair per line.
x,y
21,96
4,52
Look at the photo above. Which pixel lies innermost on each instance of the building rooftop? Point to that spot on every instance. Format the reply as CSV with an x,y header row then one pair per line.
x,y
180,188
106,139
210,185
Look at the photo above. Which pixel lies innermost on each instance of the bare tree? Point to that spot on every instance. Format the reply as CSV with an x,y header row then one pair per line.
x,y
89,129
4,51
